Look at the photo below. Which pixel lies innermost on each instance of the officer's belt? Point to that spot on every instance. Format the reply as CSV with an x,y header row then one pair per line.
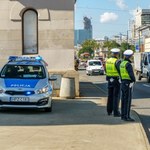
x,y
115,78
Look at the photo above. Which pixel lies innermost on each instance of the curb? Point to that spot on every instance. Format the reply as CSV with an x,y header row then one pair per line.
x,y
142,129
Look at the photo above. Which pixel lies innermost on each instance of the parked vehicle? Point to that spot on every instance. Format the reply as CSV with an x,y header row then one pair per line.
x,y
142,65
94,67
25,83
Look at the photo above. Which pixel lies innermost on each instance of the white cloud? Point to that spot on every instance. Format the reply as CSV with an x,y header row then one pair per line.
x,y
121,4
107,17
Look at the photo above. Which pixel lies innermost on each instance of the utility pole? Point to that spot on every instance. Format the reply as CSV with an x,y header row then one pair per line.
x,y
139,40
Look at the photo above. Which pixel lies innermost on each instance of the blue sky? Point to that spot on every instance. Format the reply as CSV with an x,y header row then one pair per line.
x,y
108,17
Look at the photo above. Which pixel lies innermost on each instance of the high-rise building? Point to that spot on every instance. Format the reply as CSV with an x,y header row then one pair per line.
x,y
83,34
141,28
142,17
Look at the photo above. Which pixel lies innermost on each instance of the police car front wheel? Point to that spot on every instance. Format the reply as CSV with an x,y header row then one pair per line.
x,y
48,109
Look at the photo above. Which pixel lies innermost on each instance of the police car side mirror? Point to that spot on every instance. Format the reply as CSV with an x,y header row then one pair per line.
x,y
52,78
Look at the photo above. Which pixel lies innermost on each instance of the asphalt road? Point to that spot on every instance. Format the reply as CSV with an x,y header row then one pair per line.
x,y
141,96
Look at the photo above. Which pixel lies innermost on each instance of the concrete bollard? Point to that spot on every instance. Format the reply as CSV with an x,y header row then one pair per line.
x,y
67,88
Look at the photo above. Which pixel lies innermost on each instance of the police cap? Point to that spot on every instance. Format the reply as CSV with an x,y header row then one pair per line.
x,y
128,52
115,50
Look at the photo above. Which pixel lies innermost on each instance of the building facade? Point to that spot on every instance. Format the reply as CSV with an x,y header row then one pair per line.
x,y
36,27
141,29
44,28
82,35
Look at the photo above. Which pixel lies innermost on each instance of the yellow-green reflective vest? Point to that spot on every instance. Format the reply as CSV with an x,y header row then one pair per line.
x,y
123,71
111,68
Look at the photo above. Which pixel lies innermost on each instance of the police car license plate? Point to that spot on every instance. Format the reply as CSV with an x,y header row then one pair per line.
x,y
96,70
19,99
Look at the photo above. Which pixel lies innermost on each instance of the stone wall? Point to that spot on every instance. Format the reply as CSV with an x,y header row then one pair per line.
x,y
55,32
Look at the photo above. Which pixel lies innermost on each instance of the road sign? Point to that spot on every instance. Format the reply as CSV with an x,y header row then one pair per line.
x,y
137,48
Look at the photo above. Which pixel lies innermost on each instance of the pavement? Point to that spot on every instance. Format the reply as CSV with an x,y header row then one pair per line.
x,y
75,124
118,134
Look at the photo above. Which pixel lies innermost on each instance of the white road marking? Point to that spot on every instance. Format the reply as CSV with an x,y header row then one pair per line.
x,y
146,85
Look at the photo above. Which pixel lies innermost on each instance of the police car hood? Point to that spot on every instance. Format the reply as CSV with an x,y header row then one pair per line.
x,y
23,83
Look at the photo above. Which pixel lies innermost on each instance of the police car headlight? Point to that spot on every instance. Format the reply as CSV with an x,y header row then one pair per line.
x,y
43,90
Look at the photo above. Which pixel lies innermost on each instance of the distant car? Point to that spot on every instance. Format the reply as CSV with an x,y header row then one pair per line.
x,y
82,63
94,67
25,83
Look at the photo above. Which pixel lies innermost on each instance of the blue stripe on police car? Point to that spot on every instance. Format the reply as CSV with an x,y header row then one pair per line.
x,y
21,83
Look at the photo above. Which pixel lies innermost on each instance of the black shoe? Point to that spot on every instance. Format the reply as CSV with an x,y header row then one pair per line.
x,y
117,114
109,113
128,119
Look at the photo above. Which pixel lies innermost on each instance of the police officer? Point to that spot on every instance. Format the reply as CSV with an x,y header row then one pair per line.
x,y
127,78
112,76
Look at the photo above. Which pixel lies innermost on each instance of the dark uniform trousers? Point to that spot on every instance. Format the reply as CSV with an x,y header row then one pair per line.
x,y
113,96
126,99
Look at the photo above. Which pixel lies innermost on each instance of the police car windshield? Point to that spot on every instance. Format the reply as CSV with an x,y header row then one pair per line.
x,y
95,63
23,72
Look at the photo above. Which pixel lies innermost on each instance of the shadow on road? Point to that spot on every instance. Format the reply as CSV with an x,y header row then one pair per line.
x,y
146,124
65,112
88,89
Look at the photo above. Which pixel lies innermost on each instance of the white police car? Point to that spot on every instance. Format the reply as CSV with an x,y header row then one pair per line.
x,y
25,83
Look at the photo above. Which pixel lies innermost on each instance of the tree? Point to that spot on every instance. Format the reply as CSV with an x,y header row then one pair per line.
x,y
124,46
89,46
85,50
109,45
91,43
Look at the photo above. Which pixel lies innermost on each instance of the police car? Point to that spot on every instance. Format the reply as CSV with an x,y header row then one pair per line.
x,y
25,83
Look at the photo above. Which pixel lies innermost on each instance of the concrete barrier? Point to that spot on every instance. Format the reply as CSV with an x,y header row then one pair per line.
x,y
67,88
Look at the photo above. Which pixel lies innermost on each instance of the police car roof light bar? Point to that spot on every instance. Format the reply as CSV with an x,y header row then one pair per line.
x,y
25,58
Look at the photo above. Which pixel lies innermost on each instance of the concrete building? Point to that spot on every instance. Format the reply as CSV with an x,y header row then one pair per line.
x,y
142,17
142,29
36,27
82,35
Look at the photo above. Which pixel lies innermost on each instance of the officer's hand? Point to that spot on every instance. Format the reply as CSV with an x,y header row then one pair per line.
x,y
111,79
131,84
119,80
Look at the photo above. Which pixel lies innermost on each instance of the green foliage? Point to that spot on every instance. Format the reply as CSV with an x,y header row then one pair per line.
x,y
85,50
113,44
90,43
109,45
88,46
125,46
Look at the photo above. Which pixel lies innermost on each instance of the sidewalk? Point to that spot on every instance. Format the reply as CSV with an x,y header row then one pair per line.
x,y
74,124
118,134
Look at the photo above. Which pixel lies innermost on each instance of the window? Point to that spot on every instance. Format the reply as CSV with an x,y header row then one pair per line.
x,y
95,63
23,72
30,32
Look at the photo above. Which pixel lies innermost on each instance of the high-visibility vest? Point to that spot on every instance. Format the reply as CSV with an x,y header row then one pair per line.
x,y
111,68
123,71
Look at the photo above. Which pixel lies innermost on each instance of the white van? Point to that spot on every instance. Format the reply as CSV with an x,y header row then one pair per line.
x,y
94,67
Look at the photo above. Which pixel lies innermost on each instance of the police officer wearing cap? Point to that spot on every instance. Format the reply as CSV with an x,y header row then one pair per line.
x,y
112,76
127,78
